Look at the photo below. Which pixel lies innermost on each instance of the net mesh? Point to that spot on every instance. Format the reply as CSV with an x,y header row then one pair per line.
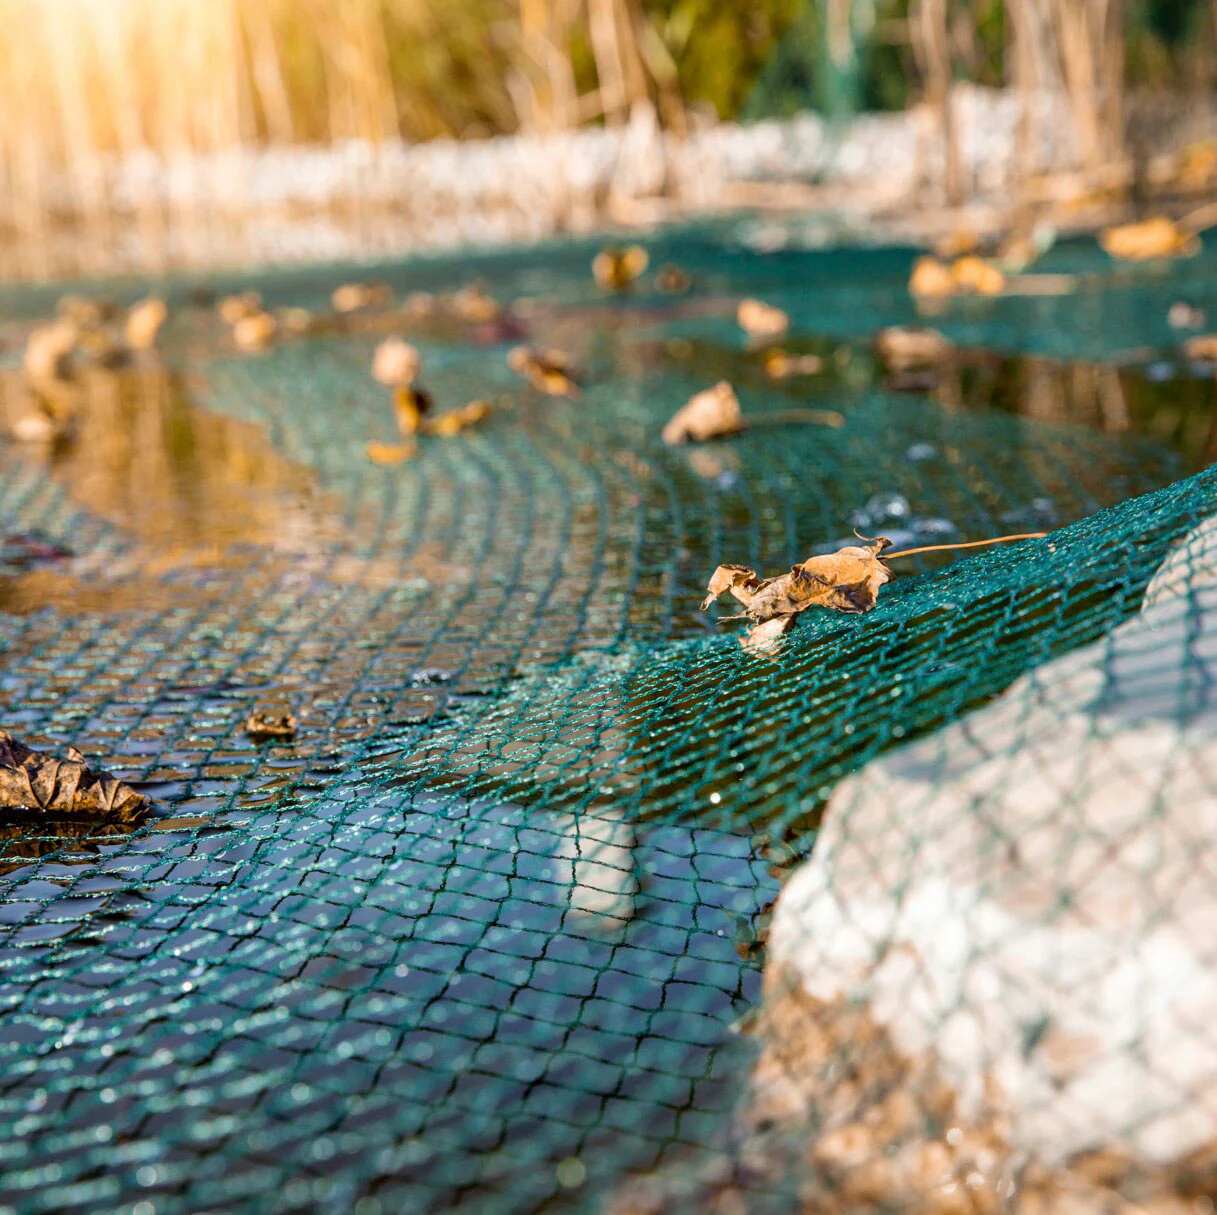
x,y
484,934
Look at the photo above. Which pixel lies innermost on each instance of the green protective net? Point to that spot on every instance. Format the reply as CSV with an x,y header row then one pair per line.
x,y
482,936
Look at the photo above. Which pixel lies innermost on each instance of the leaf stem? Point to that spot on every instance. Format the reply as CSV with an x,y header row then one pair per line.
x,y
794,417
938,548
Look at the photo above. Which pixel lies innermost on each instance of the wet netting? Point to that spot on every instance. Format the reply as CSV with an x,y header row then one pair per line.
x,y
490,932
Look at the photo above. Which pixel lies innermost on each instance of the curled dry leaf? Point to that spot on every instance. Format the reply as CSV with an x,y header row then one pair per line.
x,y
707,415
474,305
234,308
977,276
780,365
410,404
296,320
63,788
254,332
396,362
1202,348
901,347
48,350
548,371
1149,239
390,454
672,280
144,322
261,725
931,279
759,319
845,581
352,297
457,420
1183,315
615,269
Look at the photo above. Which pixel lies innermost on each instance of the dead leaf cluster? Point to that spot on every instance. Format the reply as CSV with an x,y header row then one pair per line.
x,y
615,268
845,581
47,785
970,275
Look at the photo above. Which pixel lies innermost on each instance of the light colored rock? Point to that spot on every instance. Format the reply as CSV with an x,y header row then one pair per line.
x,y
1025,897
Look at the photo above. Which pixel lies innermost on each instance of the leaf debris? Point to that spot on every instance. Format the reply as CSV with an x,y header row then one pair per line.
x,y
457,420
762,320
715,412
1149,239
548,371
261,726
615,268
63,788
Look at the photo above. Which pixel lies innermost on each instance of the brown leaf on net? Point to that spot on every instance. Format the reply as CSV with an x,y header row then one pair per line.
x,y
254,332
781,365
457,420
1149,239
233,308
1202,348
396,362
261,726
410,404
389,454
353,297
977,276
48,350
548,371
473,304
707,415
144,321
759,319
930,278
615,268
845,581
47,785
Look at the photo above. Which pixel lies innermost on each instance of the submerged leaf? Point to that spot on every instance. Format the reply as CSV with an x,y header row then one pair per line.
x,y
780,365
44,784
672,280
707,415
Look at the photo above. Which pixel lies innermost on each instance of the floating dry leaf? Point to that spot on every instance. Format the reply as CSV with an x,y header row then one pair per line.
x,y
910,347
548,371
759,319
978,276
457,420
144,322
615,268
930,278
396,362
260,726
706,415
390,454
410,404
352,297
1151,238
845,581
672,280
69,788
254,332
234,308
780,365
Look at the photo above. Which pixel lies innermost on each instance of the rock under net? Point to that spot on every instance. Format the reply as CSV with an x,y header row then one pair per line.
x,y
489,932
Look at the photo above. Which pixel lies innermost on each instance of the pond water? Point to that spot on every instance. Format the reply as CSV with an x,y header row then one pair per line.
x,y
481,936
